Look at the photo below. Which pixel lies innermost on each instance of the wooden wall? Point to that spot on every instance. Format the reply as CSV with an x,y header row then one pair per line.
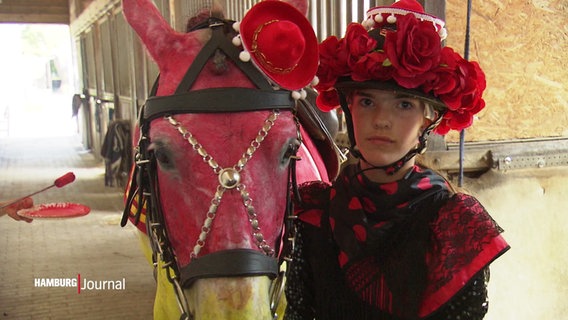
x,y
521,45
523,48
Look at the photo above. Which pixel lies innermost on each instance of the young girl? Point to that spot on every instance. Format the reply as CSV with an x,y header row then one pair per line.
x,y
390,239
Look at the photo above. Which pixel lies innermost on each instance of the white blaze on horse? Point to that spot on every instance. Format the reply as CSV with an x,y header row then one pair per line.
x,y
217,152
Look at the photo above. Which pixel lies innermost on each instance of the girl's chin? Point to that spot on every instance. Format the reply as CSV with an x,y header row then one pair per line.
x,y
377,162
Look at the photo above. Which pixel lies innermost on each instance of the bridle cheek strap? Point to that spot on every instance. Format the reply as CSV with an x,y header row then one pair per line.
x,y
229,263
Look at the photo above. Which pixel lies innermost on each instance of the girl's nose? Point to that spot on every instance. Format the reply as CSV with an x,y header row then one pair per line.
x,y
381,118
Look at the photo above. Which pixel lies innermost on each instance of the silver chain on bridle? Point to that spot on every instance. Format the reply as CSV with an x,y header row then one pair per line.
x,y
229,178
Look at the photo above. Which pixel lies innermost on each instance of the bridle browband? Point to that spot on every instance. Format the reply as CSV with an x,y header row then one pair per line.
x,y
144,188
264,97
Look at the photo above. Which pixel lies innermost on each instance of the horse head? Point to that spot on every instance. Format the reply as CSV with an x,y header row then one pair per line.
x,y
218,144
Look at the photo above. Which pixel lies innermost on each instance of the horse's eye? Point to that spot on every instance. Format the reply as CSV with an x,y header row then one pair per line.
x,y
162,155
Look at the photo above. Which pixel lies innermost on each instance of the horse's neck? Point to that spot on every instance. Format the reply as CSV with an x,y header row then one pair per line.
x,y
311,166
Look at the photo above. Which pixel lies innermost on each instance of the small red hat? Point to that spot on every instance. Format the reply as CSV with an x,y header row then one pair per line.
x,y
281,43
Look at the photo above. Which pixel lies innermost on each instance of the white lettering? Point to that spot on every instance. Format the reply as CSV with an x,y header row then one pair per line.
x,y
104,284
86,285
55,282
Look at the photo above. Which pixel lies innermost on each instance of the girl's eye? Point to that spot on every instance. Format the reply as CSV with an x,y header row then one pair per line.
x,y
406,105
365,102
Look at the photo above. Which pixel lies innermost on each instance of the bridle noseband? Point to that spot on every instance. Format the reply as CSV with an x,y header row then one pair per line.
x,y
144,188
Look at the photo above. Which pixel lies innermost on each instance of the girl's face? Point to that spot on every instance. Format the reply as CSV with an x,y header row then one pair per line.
x,y
386,124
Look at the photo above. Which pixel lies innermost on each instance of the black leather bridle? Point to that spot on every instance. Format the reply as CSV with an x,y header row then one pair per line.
x,y
144,188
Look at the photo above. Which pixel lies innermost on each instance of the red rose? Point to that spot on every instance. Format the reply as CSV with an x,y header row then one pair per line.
x,y
442,128
358,42
327,100
477,106
414,50
374,66
472,99
460,120
444,80
456,120
329,63
468,81
460,85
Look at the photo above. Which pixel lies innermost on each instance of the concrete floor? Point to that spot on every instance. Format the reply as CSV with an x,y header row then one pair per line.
x,y
94,246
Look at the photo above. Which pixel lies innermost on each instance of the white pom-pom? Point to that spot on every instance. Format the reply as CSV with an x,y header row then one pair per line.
x,y
391,19
315,81
379,18
443,33
368,24
237,42
244,56
303,94
296,95
237,26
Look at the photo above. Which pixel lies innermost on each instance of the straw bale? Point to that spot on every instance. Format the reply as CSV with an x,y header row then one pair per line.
x,y
523,48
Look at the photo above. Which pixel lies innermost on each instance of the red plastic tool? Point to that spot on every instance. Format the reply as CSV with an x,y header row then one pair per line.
x,y
59,182
55,210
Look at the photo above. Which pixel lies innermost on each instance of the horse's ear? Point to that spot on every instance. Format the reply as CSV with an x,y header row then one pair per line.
x,y
301,5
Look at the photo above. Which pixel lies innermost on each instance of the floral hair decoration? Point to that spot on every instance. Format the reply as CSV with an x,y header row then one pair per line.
x,y
399,48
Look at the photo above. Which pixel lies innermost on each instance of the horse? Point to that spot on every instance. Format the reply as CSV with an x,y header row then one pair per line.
x,y
221,144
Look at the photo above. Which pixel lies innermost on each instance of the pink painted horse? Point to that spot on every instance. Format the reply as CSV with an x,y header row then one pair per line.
x,y
216,161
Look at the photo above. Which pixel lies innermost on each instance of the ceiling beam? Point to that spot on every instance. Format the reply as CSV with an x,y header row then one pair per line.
x,y
34,11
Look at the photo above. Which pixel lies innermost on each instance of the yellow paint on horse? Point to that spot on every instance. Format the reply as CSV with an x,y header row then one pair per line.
x,y
230,298
222,298
165,303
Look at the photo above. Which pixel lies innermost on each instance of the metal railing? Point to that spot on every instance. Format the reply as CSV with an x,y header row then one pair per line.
x,y
328,17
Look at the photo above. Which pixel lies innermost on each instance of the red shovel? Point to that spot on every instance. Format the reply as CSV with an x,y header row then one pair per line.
x,y
59,182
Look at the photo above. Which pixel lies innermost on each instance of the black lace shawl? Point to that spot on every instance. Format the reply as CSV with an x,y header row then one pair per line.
x,y
389,251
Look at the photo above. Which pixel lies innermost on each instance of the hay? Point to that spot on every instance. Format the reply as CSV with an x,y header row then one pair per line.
x,y
523,48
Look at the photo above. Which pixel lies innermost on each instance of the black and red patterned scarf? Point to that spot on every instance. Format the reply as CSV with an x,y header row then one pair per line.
x,y
407,247
362,212
382,232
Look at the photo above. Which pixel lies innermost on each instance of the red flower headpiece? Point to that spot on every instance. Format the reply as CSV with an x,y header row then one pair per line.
x,y
399,47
